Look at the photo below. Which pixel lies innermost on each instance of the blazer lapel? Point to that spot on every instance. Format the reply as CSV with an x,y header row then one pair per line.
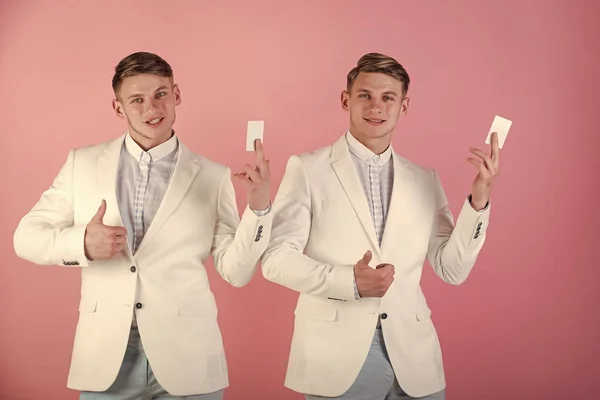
x,y
108,166
183,175
400,200
346,173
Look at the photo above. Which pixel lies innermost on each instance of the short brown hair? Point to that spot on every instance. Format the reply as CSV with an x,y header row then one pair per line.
x,y
140,63
377,62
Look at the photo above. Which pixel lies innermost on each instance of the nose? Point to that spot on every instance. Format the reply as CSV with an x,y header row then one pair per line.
x,y
151,107
376,106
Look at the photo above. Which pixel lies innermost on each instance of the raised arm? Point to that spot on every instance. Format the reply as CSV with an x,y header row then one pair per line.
x,y
453,250
238,245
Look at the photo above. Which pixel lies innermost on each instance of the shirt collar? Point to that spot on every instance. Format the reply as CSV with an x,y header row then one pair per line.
x,y
366,155
155,153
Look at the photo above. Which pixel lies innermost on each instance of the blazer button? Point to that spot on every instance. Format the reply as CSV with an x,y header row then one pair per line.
x,y
383,316
132,268
138,305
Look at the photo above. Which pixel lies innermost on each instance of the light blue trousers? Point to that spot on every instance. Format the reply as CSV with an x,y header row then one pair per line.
x,y
136,380
376,379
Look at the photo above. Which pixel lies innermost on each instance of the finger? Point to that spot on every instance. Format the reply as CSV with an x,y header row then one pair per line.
x,y
392,272
387,270
242,179
487,161
480,166
99,216
366,258
252,174
259,151
486,158
265,169
118,247
118,231
495,148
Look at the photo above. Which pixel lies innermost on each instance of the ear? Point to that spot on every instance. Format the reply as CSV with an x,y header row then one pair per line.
x,y
405,104
177,94
118,108
345,98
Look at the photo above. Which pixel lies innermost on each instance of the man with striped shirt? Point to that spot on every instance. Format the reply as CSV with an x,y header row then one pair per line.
x,y
363,329
140,215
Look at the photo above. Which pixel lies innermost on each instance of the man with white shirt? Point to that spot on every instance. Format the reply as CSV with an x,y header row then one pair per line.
x,y
140,215
363,329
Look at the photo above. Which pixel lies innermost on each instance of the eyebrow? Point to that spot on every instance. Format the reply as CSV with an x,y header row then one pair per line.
x,y
386,92
163,87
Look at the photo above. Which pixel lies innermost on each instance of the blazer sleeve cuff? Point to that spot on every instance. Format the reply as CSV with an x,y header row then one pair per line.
x,y
260,225
473,221
343,285
71,250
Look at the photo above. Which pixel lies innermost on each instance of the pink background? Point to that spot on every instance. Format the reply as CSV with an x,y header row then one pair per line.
x,y
524,326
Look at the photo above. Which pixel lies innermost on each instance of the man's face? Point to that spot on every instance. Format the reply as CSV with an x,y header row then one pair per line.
x,y
375,103
148,104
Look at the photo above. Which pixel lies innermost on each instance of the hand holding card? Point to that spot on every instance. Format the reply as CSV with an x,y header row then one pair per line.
x,y
488,164
257,178
501,126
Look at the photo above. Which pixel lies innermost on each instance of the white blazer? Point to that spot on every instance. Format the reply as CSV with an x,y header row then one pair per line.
x,y
322,227
165,283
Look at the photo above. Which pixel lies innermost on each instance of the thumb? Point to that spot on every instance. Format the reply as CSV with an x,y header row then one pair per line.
x,y
240,178
100,213
366,259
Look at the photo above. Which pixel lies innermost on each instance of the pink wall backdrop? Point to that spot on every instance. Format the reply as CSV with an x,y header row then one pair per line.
x,y
524,326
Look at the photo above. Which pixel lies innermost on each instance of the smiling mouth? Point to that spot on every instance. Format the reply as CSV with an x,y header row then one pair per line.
x,y
373,121
155,121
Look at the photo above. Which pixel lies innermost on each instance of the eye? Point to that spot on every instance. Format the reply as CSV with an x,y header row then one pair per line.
x,y
364,95
161,94
388,98
138,100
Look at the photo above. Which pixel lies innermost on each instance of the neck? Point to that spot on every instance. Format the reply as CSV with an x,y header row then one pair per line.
x,y
377,145
147,143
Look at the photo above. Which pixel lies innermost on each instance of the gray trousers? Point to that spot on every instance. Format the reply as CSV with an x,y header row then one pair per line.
x,y
376,379
136,380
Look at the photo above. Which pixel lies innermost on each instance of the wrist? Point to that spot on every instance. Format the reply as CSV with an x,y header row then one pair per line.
x,y
262,205
478,202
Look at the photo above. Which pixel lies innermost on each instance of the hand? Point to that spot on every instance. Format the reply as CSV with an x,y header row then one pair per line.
x,y
257,180
372,282
102,241
488,166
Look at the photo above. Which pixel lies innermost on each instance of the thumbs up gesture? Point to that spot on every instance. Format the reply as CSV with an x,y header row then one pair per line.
x,y
372,282
102,241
